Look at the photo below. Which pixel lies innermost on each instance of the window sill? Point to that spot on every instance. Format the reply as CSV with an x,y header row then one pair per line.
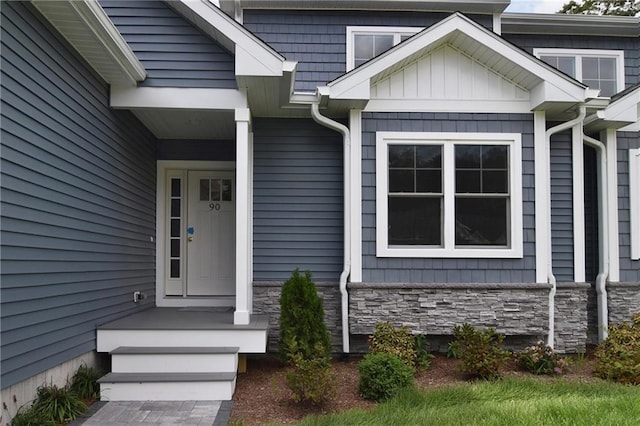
x,y
420,252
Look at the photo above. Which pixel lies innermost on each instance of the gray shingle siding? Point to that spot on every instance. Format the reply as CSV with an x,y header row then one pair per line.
x,y
78,201
317,39
631,47
174,53
629,269
298,204
562,207
381,270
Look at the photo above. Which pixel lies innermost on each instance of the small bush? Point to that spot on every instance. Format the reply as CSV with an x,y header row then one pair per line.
x,y
311,380
389,340
619,354
383,375
480,351
85,383
58,404
541,359
27,416
302,319
423,357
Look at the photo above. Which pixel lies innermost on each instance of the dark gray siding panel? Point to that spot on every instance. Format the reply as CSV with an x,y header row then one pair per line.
x,y
562,207
174,53
78,202
629,269
429,270
631,47
317,39
298,207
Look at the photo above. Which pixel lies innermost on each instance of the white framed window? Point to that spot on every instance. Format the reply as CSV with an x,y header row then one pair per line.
x,y
364,43
448,195
634,201
598,69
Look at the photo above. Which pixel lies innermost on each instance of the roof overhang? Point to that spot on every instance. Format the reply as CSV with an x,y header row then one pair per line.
x,y
622,113
85,25
549,89
232,7
561,24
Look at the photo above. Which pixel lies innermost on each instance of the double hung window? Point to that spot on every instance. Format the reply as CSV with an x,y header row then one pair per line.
x,y
448,195
364,43
598,69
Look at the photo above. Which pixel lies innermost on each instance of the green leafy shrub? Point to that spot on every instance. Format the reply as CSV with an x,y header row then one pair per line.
x,y
619,354
302,319
480,351
27,416
423,357
85,383
389,340
541,359
58,404
311,380
383,375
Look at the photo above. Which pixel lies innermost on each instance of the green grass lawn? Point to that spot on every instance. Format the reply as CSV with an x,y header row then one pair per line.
x,y
509,402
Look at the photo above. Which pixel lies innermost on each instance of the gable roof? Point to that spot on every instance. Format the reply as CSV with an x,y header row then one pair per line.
x,y
547,87
622,113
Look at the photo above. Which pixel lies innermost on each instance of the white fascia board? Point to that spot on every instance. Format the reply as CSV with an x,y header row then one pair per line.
x,y
253,57
546,91
448,105
177,98
625,109
434,36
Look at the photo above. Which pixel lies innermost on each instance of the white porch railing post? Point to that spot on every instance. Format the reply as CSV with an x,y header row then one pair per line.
x,y
243,217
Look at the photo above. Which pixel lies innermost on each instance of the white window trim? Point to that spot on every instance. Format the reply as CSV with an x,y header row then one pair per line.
x,y
580,53
396,31
634,201
513,140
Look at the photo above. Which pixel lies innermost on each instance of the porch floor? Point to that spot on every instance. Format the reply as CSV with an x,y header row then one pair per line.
x,y
192,318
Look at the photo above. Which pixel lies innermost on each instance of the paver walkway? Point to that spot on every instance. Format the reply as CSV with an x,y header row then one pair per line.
x,y
160,413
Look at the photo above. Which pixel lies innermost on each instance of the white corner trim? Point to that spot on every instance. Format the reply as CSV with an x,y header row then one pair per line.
x,y
612,204
243,219
178,98
634,201
579,244
355,126
497,23
542,231
513,140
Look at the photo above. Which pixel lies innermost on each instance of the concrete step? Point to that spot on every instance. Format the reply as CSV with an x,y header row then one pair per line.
x,y
246,340
176,360
167,386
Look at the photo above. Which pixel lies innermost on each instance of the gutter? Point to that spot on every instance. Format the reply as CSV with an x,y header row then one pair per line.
x,y
550,277
603,224
334,125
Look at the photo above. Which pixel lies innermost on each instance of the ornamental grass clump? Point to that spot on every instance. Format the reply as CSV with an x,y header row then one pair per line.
x,y
619,354
480,351
542,359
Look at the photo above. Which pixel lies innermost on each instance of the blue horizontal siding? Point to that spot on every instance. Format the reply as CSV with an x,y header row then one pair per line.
x,y
629,269
174,52
431,270
78,201
317,38
298,189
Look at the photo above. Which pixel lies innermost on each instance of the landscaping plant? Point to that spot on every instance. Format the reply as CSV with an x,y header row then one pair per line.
x,y
311,380
59,404
619,354
480,351
395,341
85,383
542,359
383,375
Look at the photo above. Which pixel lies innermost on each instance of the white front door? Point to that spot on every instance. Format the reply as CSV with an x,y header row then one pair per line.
x,y
210,234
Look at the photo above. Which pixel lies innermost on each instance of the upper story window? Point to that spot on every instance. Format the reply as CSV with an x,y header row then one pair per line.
x,y
364,43
448,195
598,69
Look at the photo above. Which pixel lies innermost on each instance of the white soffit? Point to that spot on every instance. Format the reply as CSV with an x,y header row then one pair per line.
x,y
85,25
544,82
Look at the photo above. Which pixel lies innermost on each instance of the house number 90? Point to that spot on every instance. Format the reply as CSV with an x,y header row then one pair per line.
x,y
214,206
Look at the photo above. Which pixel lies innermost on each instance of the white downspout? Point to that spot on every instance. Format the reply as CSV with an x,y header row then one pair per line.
x,y
550,277
603,224
327,122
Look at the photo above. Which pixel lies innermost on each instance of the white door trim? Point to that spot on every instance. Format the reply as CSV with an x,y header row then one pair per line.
x,y
163,166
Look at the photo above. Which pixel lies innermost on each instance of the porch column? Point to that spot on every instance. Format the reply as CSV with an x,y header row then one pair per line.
x,y
243,217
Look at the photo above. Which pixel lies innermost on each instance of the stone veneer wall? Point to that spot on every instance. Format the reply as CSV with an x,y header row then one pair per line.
x,y
623,301
571,323
266,300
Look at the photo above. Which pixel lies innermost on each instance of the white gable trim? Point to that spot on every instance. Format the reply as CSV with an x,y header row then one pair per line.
x,y
253,57
556,87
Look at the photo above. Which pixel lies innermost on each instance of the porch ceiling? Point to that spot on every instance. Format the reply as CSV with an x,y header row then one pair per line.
x,y
188,124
